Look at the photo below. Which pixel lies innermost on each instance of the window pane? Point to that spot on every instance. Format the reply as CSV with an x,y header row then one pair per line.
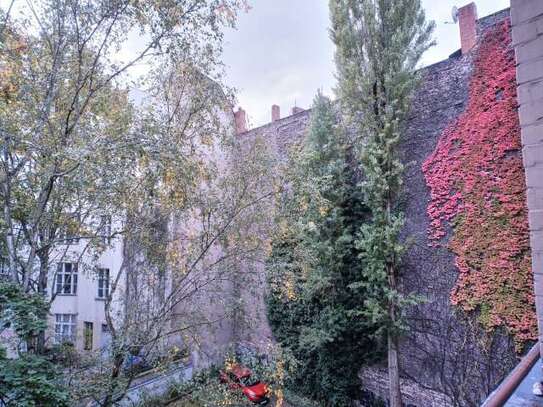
x,y
59,283
88,335
67,283
106,282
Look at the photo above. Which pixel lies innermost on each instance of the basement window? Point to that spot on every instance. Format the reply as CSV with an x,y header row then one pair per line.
x,y
65,328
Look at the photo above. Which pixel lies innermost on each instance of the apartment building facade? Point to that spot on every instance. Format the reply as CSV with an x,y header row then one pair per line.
x,y
80,284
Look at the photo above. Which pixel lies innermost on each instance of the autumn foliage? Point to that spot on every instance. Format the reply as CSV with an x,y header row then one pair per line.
x,y
477,185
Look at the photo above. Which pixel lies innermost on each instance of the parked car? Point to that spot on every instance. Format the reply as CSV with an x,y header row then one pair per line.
x,y
239,377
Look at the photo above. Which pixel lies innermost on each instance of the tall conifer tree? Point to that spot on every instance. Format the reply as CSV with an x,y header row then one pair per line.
x,y
379,44
314,262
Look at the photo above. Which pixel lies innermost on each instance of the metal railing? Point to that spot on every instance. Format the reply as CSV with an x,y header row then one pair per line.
x,y
508,386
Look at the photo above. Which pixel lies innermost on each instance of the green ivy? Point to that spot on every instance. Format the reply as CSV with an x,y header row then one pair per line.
x,y
24,313
29,379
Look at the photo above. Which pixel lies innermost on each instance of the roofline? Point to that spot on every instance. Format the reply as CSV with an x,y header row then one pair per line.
x,y
433,65
495,13
276,121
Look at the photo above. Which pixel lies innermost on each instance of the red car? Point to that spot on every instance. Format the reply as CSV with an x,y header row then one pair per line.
x,y
239,377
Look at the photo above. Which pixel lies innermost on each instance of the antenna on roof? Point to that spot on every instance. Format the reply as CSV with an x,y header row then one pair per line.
x,y
454,14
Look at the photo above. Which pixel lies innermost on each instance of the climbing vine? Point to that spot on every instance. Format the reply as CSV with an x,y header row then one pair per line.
x,y
477,185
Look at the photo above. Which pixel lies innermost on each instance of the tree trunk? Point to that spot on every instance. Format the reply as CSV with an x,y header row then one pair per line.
x,y
115,372
6,189
395,394
42,287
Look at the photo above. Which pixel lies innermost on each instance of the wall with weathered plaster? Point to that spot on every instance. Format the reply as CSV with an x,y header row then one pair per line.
x,y
252,326
527,22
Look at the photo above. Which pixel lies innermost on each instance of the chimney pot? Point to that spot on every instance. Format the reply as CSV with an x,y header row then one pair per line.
x,y
467,21
240,119
276,113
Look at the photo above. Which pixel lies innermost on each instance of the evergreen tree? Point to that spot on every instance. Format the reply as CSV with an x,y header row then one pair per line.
x,y
314,264
379,43
30,379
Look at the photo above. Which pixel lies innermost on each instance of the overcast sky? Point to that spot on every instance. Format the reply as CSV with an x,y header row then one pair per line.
x,y
281,52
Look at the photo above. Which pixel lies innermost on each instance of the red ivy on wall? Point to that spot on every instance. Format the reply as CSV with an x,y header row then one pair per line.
x,y
477,185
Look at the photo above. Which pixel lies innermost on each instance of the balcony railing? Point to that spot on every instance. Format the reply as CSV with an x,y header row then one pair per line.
x,y
516,389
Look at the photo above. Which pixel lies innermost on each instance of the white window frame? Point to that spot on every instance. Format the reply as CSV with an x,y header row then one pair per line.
x,y
66,281
104,276
65,327
105,228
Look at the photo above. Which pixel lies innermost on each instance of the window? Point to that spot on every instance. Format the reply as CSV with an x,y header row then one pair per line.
x,y
66,281
88,332
103,283
65,328
4,267
105,228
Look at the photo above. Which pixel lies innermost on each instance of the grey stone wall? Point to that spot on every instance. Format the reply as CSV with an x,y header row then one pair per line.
x,y
281,133
445,353
375,380
527,22
252,327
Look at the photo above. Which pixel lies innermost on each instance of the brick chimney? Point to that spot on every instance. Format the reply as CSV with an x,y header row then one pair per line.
x,y
467,20
296,109
276,113
240,119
